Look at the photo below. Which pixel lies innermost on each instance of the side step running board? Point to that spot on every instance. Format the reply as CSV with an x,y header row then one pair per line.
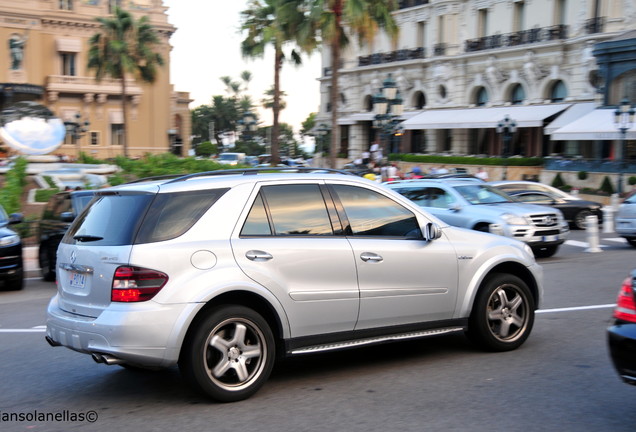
x,y
375,340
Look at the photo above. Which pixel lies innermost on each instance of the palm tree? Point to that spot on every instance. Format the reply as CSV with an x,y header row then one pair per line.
x,y
272,23
124,46
335,20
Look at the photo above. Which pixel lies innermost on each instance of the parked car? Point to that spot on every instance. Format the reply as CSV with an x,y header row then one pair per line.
x,y
575,211
223,272
11,263
475,205
625,220
61,209
231,158
564,201
622,333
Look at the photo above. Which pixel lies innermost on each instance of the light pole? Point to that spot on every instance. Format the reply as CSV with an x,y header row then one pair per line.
x,y
506,128
247,125
388,107
76,129
623,119
322,131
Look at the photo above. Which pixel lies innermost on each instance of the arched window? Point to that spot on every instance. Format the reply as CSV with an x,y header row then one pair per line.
x,y
481,98
559,92
518,95
419,100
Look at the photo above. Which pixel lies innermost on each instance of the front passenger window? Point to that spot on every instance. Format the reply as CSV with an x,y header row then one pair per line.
x,y
373,214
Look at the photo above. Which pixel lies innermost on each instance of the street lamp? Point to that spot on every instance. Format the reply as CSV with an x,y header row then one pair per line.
x,y
623,119
247,125
322,131
76,129
388,107
506,128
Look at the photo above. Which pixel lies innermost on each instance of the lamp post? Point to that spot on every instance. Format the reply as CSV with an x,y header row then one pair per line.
x,y
388,107
623,119
76,129
247,125
322,131
506,128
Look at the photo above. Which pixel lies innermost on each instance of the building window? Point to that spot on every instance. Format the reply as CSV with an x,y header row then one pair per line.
x,y
482,97
559,92
66,4
117,134
421,34
519,17
560,12
94,136
518,95
68,63
482,24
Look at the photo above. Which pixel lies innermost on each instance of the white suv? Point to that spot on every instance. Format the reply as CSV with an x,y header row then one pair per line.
x,y
223,272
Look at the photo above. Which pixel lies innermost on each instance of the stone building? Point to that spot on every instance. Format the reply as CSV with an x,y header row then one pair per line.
x,y
462,66
43,57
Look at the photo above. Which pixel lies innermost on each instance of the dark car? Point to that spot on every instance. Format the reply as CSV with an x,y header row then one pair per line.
x,y
11,265
622,334
57,216
575,211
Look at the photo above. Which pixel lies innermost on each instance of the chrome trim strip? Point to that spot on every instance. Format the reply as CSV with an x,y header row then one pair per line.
x,y
76,268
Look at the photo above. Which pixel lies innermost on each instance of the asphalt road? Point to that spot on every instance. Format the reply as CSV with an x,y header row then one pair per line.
x,y
560,380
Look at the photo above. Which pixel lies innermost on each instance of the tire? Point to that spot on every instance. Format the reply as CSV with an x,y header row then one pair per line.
x,y
229,355
631,241
503,314
15,284
579,219
545,251
44,258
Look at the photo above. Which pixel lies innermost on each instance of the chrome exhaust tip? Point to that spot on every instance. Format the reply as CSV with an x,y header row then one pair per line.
x,y
106,359
51,342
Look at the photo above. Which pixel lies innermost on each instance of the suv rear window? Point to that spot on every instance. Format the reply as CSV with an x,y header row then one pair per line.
x,y
117,219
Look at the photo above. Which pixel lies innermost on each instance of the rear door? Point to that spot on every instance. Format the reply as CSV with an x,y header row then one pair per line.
x,y
290,242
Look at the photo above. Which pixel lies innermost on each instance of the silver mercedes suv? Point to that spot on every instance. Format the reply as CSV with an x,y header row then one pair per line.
x,y
223,272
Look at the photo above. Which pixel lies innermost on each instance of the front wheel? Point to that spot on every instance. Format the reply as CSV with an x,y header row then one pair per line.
x,y
580,221
46,268
230,354
503,314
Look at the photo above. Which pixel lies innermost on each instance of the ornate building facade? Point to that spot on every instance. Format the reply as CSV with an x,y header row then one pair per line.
x,y
461,66
43,56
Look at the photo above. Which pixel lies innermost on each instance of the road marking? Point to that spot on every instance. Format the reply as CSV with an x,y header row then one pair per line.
x,y
577,308
36,329
580,244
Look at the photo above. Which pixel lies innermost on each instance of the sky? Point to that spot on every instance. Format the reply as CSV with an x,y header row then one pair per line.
x,y
206,46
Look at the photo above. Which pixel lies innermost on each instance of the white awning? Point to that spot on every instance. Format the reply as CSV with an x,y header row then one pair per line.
x,y
576,111
596,125
68,44
370,116
480,118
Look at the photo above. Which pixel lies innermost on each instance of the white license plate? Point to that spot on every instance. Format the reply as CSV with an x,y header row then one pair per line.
x,y
550,238
78,280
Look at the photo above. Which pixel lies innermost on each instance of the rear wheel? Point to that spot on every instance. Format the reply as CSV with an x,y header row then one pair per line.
x,y
503,314
230,354
16,283
579,219
631,241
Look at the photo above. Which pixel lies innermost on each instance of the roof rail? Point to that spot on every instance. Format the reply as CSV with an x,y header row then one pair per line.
x,y
251,171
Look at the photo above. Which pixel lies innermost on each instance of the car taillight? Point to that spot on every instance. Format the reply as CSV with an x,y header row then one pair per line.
x,y
626,303
135,284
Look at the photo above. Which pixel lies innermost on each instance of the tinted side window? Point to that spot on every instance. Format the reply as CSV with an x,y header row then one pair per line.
x,y
294,210
373,214
63,205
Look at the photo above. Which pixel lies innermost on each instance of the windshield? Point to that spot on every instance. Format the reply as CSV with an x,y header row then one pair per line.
x,y
483,194
228,157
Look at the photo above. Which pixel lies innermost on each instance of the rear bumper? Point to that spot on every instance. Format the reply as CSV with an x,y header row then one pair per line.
x,y
140,334
622,347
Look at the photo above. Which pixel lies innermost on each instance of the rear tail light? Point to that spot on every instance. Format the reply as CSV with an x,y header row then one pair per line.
x,y
626,303
135,284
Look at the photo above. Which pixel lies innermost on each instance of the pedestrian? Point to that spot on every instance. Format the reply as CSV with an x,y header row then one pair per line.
x,y
482,174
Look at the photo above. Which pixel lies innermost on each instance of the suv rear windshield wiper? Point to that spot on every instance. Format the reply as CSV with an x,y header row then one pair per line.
x,y
87,238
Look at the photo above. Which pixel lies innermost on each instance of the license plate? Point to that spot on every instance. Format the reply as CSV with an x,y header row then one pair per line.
x,y
78,280
550,238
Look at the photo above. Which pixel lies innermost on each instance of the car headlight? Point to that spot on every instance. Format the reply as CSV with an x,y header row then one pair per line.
x,y
512,219
10,240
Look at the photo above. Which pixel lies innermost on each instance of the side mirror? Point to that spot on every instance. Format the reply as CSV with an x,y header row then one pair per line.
x,y
455,207
67,217
431,231
15,218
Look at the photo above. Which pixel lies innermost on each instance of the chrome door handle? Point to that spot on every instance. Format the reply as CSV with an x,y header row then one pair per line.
x,y
370,256
256,255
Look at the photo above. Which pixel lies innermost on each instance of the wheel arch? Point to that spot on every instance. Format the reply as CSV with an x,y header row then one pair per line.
x,y
521,272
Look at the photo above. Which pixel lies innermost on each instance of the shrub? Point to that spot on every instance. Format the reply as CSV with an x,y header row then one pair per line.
x,y
558,181
43,195
631,180
582,175
606,186
206,149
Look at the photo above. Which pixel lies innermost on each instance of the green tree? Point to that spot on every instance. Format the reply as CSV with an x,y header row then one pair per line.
x,y
334,21
124,46
273,23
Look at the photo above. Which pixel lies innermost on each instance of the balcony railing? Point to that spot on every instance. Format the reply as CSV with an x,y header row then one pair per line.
x,y
439,49
392,56
595,25
539,34
403,4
